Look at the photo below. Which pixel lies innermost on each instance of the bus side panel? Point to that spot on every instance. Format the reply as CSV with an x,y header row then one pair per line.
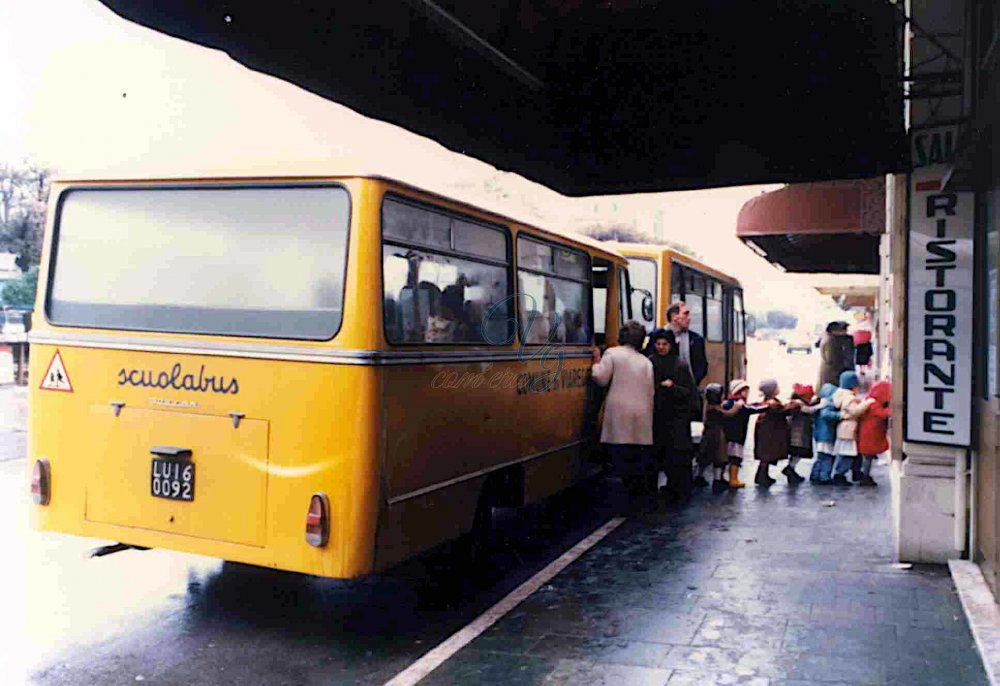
x,y
449,426
551,407
319,439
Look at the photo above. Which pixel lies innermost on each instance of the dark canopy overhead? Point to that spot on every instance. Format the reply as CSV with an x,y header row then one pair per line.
x,y
591,97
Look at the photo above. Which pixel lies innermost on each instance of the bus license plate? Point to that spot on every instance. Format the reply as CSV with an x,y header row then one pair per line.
x,y
172,479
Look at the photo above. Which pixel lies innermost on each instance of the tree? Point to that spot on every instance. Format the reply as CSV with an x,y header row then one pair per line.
x,y
623,233
21,293
24,192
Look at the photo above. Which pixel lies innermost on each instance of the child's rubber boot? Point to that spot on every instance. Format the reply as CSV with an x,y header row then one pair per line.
x,y
734,477
763,478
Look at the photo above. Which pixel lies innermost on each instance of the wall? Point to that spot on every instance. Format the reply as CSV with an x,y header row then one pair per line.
x,y
987,553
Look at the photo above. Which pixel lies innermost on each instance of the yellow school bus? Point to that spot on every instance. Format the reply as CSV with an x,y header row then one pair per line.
x,y
325,375
661,276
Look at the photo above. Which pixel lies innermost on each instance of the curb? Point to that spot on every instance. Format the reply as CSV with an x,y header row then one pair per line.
x,y
982,612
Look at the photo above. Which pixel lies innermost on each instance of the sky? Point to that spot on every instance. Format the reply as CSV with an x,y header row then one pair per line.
x,y
88,93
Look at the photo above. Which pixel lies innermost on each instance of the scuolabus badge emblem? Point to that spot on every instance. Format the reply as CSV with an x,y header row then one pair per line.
x,y
166,402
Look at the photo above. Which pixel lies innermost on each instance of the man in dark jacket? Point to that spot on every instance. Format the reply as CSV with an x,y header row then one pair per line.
x,y
690,344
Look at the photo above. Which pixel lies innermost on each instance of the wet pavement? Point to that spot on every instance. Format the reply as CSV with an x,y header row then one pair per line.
x,y
164,617
795,585
754,587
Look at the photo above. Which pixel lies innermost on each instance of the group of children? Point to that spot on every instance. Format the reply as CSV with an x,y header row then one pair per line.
x,y
848,431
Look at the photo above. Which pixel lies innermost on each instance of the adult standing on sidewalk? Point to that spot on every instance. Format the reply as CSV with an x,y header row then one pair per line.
x,y
690,344
672,415
836,353
628,410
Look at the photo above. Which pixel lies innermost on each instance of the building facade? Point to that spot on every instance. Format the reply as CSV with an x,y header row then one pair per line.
x,y
942,264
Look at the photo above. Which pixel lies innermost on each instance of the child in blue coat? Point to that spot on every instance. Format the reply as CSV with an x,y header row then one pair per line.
x,y
825,435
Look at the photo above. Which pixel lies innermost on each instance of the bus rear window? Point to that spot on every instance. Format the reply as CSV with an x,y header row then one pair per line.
x,y
264,261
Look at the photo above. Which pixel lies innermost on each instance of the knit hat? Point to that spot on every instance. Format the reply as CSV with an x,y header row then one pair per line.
x,y
849,380
803,391
769,387
737,385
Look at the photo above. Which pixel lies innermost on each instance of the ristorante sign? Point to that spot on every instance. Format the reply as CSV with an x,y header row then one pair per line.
x,y
939,310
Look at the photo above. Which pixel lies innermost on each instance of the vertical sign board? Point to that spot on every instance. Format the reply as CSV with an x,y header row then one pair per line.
x,y
939,299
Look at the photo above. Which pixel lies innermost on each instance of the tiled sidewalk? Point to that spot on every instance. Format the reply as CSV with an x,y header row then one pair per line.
x,y
752,587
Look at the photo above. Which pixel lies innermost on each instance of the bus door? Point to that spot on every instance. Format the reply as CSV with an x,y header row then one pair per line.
x,y
728,332
624,299
599,298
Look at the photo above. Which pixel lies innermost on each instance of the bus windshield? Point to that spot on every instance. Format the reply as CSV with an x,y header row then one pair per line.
x,y
249,261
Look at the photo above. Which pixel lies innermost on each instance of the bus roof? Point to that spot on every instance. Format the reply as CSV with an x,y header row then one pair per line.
x,y
657,250
334,171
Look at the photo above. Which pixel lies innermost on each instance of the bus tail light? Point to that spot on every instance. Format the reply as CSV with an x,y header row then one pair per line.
x,y
318,521
41,482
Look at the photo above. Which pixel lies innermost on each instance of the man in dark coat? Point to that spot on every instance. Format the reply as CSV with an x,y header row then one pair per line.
x,y
690,344
836,353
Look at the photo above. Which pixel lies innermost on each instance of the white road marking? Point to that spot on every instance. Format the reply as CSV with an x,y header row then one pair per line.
x,y
436,657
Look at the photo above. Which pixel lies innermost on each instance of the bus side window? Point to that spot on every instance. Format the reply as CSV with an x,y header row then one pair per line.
x,y
714,318
739,324
445,279
676,282
642,278
552,281
694,297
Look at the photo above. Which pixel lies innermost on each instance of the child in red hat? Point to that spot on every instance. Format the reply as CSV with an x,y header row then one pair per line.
x,y
873,429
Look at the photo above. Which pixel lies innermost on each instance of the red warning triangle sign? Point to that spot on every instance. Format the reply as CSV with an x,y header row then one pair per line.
x,y
56,378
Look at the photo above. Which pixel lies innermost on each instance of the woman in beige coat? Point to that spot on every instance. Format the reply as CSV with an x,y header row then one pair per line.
x,y
628,410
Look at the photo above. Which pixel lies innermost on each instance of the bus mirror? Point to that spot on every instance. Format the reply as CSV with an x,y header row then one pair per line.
x,y
647,307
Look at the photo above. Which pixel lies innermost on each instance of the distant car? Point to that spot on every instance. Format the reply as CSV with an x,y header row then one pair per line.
x,y
799,341
14,323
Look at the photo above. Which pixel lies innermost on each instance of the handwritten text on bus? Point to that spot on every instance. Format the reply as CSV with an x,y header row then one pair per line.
x,y
177,380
